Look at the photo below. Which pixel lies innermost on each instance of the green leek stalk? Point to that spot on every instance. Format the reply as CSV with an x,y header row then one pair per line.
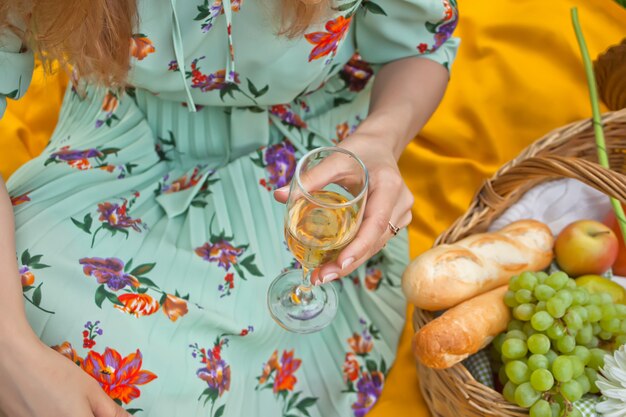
x,y
603,157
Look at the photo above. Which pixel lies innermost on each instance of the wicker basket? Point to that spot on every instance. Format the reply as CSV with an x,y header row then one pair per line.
x,y
566,152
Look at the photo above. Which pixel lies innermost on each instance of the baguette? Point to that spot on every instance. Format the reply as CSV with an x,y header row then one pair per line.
x,y
446,275
463,330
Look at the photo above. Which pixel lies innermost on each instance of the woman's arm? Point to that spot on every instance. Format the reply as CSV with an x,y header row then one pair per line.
x,y
12,316
36,381
404,96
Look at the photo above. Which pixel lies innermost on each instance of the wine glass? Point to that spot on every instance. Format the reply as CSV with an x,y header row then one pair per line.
x,y
323,214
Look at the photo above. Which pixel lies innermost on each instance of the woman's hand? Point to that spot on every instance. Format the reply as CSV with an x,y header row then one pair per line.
x,y
389,201
404,95
36,381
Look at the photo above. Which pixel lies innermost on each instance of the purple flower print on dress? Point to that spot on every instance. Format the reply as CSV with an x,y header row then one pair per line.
x,y
67,155
442,29
444,32
280,160
116,216
216,373
356,73
209,82
369,389
118,376
221,252
286,114
108,271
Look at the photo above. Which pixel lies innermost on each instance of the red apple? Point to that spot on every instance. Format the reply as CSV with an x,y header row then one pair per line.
x,y
586,247
619,267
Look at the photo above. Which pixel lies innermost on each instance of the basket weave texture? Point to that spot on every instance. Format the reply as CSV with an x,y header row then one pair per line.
x,y
567,152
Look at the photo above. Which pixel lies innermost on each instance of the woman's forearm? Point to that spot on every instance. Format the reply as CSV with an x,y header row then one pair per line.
x,y
404,96
12,314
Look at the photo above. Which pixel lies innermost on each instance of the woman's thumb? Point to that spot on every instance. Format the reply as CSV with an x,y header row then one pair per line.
x,y
103,406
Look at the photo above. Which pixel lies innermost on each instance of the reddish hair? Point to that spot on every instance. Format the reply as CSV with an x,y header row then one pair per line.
x,y
93,36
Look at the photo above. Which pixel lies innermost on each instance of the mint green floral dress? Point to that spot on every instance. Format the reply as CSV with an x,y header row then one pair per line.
x,y
147,233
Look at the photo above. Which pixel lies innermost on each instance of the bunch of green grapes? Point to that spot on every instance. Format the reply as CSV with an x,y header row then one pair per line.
x,y
556,342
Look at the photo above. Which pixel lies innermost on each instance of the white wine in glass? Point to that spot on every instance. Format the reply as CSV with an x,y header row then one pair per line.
x,y
324,211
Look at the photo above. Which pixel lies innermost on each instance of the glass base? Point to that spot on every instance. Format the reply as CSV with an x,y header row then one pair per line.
x,y
301,312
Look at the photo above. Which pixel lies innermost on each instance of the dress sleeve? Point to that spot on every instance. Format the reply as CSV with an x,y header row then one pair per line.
x,y
387,30
16,68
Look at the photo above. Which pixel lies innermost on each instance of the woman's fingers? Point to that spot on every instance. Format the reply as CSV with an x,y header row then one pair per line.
x,y
103,406
374,231
337,168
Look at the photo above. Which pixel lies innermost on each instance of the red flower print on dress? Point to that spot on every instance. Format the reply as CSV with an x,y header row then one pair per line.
x,y
226,83
287,116
109,272
110,103
76,158
220,249
137,304
118,376
373,278
189,180
361,343
356,73
361,369
31,293
208,82
20,199
280,377
228,285
279,162
215,371
208,13
182,183
26,276
85,159
141,46
269,367
343,130
113,217
116,216
115,275
326,43
443,28
351,367
285,378
92,330
174,307
369,388
222,252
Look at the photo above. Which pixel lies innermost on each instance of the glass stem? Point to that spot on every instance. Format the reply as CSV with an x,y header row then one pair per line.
x,y
303,293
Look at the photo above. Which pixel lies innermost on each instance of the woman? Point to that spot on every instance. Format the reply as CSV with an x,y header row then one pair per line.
x,y
147,233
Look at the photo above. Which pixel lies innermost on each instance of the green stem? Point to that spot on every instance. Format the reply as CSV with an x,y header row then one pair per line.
x,y
40,308
284,408
248,96
603,157
93,239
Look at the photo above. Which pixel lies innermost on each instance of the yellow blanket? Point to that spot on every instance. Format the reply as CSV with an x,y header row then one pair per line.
x,y
518,76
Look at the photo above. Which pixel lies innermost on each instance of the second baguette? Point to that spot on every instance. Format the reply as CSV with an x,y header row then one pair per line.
x,y
463,330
